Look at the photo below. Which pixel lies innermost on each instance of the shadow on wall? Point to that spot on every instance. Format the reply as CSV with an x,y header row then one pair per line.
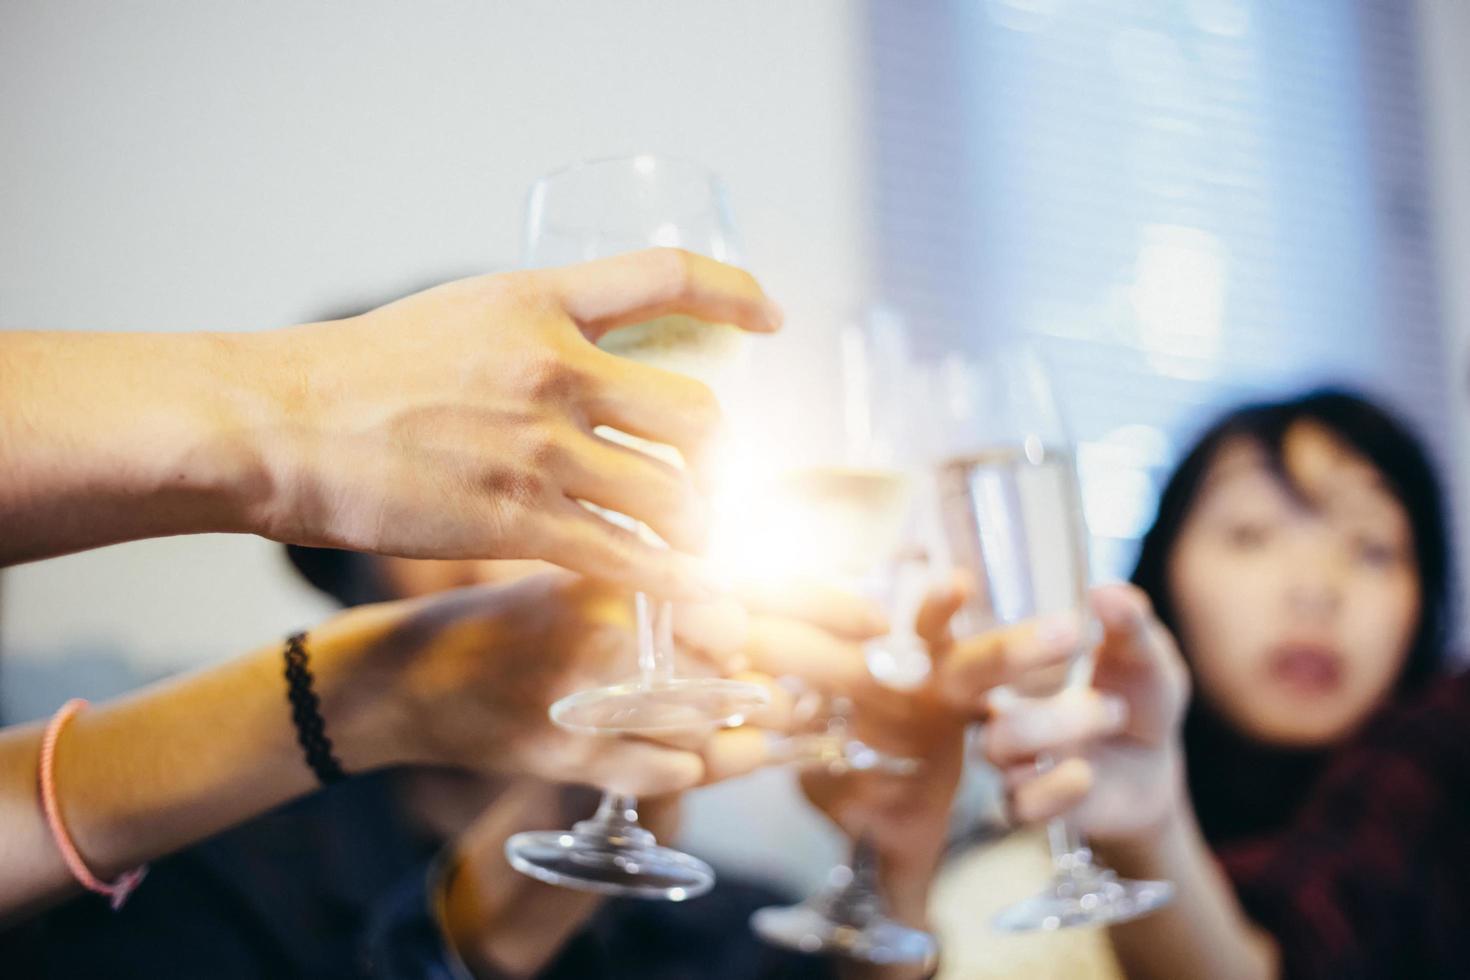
x,y
33,688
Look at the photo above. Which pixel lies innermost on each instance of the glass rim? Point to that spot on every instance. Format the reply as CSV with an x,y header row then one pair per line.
x,y
540,190
595,163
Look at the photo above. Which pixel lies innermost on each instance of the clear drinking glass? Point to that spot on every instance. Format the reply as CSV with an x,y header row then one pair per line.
x,y
587,211
1012,516
852,520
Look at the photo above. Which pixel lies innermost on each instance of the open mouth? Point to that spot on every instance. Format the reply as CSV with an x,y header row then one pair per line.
x,y
1307,669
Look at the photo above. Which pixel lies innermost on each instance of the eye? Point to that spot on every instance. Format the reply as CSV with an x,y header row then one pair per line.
x,y
1376,553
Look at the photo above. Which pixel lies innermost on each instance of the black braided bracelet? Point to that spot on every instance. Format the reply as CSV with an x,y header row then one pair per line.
x,y
306,713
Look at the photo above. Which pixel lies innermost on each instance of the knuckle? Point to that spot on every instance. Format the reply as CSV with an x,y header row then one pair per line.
x,y
674,269
518,488
550,376
524,293
545,448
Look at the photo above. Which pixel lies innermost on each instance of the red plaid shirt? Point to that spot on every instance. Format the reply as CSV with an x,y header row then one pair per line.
x,y
1373,877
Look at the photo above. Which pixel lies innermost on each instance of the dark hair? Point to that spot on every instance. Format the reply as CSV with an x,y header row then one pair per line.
x,y
1241,788
1370,431
345,576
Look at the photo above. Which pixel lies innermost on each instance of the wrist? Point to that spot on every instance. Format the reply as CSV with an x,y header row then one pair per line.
x,y
266,395
214,474
906,893
500,924
465,923
358,676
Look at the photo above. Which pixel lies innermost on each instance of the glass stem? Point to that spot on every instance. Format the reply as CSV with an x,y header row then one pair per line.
x,y
617,809
851,895
655,640
864,864
1069,853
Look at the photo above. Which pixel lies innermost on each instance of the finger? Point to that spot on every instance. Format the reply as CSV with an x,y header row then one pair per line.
x,y
1018,775
735,753
574,538
635,767
975,665
714,631
1052,793
818,604
652,404
940,606
779,713
1028,728
623,480
1126,617
1133,639
791,648
631,288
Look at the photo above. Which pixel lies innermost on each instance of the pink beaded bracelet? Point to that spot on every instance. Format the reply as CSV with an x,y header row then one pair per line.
x,y
117,892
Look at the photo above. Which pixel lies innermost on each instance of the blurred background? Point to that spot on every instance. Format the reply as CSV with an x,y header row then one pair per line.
x,y
1186,201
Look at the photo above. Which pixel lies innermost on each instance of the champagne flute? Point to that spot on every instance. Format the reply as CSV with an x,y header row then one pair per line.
x,y
1012,515
587,211
855,521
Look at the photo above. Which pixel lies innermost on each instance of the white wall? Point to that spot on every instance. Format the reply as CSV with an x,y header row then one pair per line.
x,y
175,166
1444,31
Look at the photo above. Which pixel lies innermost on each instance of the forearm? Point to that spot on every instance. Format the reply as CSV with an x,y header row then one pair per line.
x,y
154,772
1203,932
113,437
847,969
500,922
515,931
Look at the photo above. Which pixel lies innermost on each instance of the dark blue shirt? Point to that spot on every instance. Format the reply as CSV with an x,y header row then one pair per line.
x,y
335,885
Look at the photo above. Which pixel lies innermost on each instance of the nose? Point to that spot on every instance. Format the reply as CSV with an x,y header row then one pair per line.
x,y
1314,585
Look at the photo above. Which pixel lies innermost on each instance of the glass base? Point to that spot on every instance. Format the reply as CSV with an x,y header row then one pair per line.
x,y
1088,897
628,862
807,929
685,704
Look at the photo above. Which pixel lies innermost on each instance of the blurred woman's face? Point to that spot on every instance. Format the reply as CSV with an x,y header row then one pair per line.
x,y
1296,601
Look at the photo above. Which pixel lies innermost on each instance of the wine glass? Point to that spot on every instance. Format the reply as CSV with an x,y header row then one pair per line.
x,y
1012,515
853,520
587,211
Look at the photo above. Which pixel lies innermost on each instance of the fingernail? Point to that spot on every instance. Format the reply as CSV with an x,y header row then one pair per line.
x,y
775,316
